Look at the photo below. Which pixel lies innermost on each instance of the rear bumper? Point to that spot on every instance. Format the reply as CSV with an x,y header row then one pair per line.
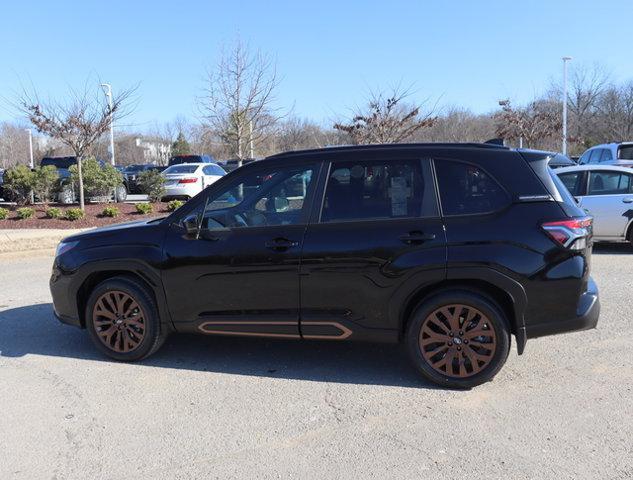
x,y
586,317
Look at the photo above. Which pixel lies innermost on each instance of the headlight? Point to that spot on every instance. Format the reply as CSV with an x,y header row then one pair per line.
x,y
63,247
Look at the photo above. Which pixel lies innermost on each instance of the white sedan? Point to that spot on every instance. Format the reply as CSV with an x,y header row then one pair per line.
x,y
186,180
606,193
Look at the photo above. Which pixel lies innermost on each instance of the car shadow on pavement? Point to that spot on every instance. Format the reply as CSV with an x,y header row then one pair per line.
x,y
612,249
34,330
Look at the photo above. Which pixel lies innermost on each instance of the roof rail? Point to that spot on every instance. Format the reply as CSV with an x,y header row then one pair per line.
x,y
380,146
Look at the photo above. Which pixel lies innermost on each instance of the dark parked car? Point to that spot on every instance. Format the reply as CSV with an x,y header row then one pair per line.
x,y
67,193
130,176
178,159
448,249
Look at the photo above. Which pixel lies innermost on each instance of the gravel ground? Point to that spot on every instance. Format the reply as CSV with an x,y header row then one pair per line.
x,y
247,408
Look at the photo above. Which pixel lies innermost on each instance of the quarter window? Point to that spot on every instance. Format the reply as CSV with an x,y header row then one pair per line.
x,y
364,190
467,190
573,182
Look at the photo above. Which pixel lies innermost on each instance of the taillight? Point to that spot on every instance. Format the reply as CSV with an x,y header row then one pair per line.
x,y
571,233
188,180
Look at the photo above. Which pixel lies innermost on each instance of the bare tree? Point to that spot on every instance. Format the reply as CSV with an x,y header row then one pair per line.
x,y
616,113
535,123
386,118
77,122
238,101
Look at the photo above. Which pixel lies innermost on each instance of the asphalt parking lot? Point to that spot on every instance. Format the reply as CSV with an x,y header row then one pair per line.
x,y
247,408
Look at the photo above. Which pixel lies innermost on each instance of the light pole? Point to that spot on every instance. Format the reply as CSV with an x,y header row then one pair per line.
x,y
565,60
31,159
108,93
30,147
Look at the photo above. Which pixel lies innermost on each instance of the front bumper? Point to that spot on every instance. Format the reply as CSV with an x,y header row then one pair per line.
x,y
586,317
64,295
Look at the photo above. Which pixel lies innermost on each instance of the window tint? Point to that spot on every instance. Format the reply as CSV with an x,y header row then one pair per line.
x,y
610,183
465,189
573,182
261,198
377,189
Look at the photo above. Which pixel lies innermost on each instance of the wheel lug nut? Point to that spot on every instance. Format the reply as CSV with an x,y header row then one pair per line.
x,y
450,334
450,344
466,341
461,333
459,348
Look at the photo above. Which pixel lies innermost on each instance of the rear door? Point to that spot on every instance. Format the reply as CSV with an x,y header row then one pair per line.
x,y
609,200
376,233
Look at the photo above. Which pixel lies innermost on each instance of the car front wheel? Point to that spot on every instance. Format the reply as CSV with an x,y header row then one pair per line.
x,y
458,339
122,320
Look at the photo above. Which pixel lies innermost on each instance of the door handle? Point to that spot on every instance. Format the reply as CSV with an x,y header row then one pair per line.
x,y
627,200
280,244
416,237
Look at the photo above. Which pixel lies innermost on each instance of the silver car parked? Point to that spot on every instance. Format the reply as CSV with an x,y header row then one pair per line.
x,y
606,193
619,154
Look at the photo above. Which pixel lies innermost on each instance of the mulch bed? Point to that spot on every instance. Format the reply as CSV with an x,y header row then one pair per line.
x,y
93,218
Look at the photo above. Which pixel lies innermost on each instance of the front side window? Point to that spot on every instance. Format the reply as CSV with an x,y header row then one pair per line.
x,y
595,155
264,197
467,190
382,189
573,182
610,183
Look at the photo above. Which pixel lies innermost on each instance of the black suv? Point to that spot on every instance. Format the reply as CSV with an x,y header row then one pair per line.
x,y
447,248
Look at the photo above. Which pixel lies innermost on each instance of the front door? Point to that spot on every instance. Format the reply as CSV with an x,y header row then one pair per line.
x,y
238,274
376,237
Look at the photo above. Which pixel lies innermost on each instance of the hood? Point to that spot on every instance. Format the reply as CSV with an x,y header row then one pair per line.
x,y
112,229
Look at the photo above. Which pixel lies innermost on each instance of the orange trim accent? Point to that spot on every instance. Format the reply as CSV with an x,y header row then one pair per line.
x,y
345,332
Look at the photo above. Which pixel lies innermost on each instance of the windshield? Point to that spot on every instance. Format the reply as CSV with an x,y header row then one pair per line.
x,y
181,169
625,152
61,162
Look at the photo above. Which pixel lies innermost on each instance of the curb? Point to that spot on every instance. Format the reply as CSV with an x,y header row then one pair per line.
x,y
12,241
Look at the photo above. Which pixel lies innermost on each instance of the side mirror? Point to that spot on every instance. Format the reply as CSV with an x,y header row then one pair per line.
x,y
191,225
281,204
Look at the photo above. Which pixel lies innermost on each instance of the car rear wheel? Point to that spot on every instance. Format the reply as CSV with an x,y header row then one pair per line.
x,y
122,320
458,339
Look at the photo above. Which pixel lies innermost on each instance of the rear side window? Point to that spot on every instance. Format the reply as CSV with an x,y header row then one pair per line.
x,y
467,190
572,181
378,190
606,155
610,183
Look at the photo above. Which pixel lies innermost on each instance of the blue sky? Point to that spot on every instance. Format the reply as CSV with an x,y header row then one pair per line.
x,y
328,53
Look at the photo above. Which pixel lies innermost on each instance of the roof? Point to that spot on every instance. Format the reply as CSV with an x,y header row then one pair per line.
x,y
389,146
581,168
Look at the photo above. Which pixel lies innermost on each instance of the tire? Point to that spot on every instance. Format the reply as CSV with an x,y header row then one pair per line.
x,y
138,337
469,356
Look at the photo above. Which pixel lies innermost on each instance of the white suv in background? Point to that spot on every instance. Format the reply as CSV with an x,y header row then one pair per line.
x,y
618,154
186,180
